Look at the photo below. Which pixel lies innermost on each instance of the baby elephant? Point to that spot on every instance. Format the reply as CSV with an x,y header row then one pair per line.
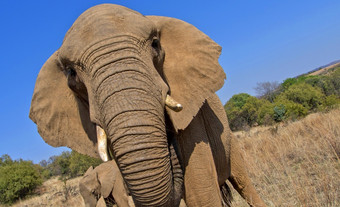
x,y
105,184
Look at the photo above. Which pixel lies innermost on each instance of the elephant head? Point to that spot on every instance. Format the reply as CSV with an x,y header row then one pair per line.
x,y
114,72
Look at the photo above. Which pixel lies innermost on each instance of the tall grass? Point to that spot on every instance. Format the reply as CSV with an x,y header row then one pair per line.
x,y
295,164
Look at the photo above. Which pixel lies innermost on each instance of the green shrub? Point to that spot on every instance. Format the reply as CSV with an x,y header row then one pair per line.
x,y
79,163
288,82
334,80
279,113
233,109
250,110
237,101
308,96
243,111
5,160
331,102
266,113
293,110
67,165
17,180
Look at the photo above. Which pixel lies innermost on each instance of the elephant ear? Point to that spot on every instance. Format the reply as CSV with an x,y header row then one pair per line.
x,y
190,68
62,119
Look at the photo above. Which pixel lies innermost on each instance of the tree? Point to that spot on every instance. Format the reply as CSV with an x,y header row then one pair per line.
x,y
288,82
5,160
267,90
237,100
302,93
233,109
292,110
43,163
79,163
331,102
17,180
279,113
265,113
250,110
243,111
67,165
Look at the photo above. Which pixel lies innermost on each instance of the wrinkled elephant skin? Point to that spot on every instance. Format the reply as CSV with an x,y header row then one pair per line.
x,y
142,90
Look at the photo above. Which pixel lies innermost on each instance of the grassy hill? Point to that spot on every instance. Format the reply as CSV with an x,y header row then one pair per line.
x,y
290,164
295,164
293,99
325,69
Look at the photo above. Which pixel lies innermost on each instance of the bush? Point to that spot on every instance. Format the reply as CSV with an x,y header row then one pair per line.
x,y
67,165
334,80
266,113
243,111
304,94
279,113
293,110
17,180
79,163
233,109
5,160
331,102
237,101
250,110
288,82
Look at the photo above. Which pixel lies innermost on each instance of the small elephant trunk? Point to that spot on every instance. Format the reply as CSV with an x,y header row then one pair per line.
x,y
138,141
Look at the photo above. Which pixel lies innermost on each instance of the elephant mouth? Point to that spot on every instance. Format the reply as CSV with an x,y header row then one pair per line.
x,y
103,149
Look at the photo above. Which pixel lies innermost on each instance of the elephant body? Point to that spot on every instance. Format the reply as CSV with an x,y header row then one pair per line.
x,y
116,87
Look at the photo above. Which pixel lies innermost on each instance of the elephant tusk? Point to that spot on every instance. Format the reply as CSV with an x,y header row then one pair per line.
x,y
172,104
102,144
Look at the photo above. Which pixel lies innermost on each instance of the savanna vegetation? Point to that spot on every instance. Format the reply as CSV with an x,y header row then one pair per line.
x,y
293,99
294,163
19,178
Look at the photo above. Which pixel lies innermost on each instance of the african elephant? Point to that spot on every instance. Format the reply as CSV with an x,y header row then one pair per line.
x,y
145,87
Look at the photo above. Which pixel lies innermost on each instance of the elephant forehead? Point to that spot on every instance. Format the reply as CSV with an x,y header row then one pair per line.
x,y
105,21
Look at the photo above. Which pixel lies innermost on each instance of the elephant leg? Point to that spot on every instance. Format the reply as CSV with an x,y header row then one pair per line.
x,y
225,146
219,133
239,177
200,177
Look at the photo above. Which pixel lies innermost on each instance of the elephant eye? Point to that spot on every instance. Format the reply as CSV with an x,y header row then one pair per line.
x,y
71,72
155,44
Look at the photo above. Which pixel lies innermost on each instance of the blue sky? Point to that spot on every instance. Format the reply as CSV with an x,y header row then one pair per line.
x,y
262,40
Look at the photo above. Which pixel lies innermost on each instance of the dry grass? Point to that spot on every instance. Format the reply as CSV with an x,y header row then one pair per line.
x,y
295,164
324,70
54,192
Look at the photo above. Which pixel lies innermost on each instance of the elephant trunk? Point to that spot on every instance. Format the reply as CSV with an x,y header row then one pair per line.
x,y
133,118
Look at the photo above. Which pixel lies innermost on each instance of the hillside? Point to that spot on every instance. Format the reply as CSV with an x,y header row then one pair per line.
x,y
291,164
295,164
325,68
